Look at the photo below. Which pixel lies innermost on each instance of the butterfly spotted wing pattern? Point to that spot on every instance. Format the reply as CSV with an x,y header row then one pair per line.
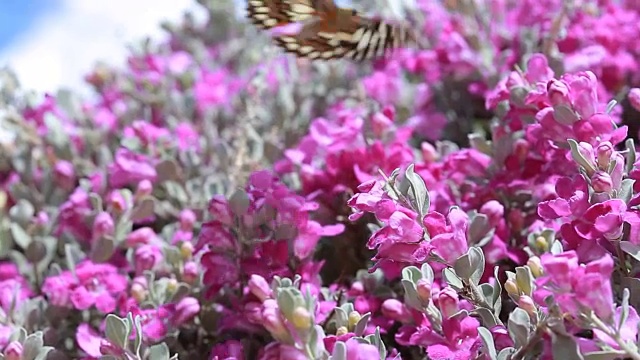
x,y
267,14
357,40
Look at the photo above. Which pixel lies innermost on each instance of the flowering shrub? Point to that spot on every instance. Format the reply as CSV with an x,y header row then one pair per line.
x,y
216,199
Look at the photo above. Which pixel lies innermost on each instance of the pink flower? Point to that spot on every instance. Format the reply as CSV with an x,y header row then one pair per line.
x,y
89,340
634,98
214,88
141,236
185,310
64,174
229,350
147,257
575,286
13,292
74,214
103,225
93,285
130,168
359,351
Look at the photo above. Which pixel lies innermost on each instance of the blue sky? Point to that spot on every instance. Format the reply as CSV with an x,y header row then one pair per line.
x,y
16,16
53,43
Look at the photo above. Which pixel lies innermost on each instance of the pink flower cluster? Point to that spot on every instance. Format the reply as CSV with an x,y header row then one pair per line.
x,y
474,199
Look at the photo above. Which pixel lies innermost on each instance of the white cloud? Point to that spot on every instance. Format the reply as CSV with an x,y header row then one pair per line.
x,y
65,44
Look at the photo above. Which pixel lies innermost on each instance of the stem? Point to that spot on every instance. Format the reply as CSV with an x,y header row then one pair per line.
x,y
615,335
531,342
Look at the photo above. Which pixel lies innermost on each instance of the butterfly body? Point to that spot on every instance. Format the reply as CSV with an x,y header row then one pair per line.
x,y
329,32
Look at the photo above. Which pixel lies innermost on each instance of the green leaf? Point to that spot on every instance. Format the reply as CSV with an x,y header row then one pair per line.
x,y
489,319
565,347
630,249
631,155
478,228
32,346
117,330
417,191
159,352
506,353
519,326
427,272
44,353
624,308
412,273
168,170
524,279
143,210
411,297
470,266
604,355
452,279
288,299
362,324
138,326
487,341
103,249
339,351
19,236
564,114
239,202
626,190
578,157
96,202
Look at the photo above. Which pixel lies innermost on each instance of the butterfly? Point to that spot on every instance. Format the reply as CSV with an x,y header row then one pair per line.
x,y
329,31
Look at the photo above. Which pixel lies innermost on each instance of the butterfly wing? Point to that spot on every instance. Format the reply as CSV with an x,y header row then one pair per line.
x,y
354,38
267,14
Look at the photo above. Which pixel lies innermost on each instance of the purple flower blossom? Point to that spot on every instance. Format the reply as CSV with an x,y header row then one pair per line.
x,y
92,285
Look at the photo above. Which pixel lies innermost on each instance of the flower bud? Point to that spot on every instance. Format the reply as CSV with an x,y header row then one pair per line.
x,y
541,243
429,152
601,182
186,250
172,285
143,235
448,302
117,202
634,98
259,287
516,220
145,187
147,257
64,175
187,219
138,292
41,219
527,304
511,287
103,225
13,351
190,272
186,310
558,92
423,288
253,312
604,151
342,330
535,265
357,288
395,310
273,322
301,318
521,149
354,317
107,348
